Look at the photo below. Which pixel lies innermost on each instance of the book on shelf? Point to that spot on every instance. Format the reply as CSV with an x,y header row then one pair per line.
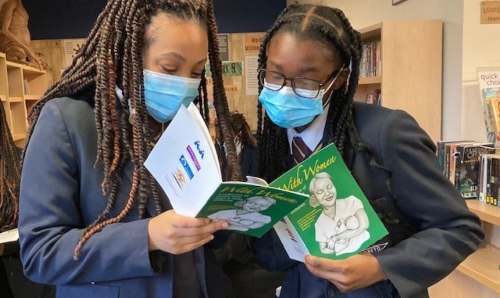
x,y
337,220
489,180
489,87
440,145
26,86
185,164
373,97
467,167
450,157
371,64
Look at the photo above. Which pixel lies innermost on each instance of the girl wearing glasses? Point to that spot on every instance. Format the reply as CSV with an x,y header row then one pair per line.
x,y
309,69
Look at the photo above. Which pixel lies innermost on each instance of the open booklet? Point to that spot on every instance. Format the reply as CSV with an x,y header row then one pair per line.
x,y
337,221
185,164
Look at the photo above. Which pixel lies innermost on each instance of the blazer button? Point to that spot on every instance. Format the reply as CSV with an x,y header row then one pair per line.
x,y
330,292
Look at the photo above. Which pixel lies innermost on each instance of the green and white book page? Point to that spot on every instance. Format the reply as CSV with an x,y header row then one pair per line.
x,y
337,221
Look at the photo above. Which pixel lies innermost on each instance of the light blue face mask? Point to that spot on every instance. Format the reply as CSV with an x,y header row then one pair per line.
x,y
165,93
288,110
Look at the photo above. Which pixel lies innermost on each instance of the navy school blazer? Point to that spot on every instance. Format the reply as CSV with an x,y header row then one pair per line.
x,y
414,191
61,195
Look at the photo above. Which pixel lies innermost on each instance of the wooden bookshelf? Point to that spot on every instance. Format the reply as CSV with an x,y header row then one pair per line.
x,y
20,87
479,275
411,69
32,97
15,99
370,80
486,212
484,267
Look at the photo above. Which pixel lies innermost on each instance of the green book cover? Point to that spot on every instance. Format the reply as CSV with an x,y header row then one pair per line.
x,y
337,220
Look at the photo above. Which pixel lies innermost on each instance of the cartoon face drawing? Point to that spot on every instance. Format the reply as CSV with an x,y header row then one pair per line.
x,y
325,192
256,204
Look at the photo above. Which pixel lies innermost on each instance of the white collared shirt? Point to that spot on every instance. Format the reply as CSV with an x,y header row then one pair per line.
x,y
313,134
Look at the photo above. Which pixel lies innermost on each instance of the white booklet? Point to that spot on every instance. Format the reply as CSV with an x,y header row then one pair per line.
x,y
9,236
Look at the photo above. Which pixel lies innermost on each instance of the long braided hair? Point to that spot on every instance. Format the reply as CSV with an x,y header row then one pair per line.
x,y
112,56
330,27
10,175
240,127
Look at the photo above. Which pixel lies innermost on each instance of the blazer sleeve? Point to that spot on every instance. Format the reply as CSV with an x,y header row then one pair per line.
x,y
50,221
447,231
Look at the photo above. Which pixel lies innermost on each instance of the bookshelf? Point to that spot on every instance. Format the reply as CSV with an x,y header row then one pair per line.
x,y
20,87
411,69
479,275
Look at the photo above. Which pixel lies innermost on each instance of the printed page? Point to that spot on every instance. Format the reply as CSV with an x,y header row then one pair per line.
x,y
9,236
290,239
184,162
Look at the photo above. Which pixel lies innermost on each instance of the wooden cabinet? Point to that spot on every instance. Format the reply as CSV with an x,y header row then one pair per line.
x,y
411,69
479,275
20,87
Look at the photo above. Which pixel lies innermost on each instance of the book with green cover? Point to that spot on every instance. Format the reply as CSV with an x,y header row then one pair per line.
x,y
337,220
184,162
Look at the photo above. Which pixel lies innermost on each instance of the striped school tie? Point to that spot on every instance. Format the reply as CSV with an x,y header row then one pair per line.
x,y
300,151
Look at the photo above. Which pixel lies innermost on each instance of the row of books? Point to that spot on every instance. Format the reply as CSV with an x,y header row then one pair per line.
x,y
489,179
470,166
371,64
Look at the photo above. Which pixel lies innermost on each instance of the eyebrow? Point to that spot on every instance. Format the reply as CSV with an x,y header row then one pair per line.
x,y
182,58
305,69
175,55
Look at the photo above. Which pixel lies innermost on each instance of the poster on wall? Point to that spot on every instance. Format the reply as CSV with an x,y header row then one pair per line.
x,y
490,12
251,81
223,46
70,48
489,87
252,43
229,69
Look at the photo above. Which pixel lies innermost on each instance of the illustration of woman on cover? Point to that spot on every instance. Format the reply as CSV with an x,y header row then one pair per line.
x,y
342,226
247,215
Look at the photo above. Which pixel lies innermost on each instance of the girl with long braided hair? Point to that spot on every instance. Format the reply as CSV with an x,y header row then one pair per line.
x,y
308,73
93,221
10,176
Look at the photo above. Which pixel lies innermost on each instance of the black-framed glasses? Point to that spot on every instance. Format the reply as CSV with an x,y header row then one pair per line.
x,y
303,87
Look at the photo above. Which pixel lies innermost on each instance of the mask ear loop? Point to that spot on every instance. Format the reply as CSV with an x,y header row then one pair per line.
x,y
330,86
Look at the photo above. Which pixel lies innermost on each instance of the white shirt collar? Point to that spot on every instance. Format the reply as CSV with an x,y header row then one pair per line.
x,y
313,134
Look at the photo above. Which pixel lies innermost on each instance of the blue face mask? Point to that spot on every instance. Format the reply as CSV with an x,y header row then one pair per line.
x,y
287,109
164,94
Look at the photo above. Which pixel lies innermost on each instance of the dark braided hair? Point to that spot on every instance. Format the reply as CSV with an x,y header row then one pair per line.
x,y
330,27
112,56
10,175
240,127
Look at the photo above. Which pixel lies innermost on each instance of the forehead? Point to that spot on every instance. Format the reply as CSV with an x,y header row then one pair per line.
x,y
169,30
257,200
287,50
322,182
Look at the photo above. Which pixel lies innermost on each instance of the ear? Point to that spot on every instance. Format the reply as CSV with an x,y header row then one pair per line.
x,y
342,78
